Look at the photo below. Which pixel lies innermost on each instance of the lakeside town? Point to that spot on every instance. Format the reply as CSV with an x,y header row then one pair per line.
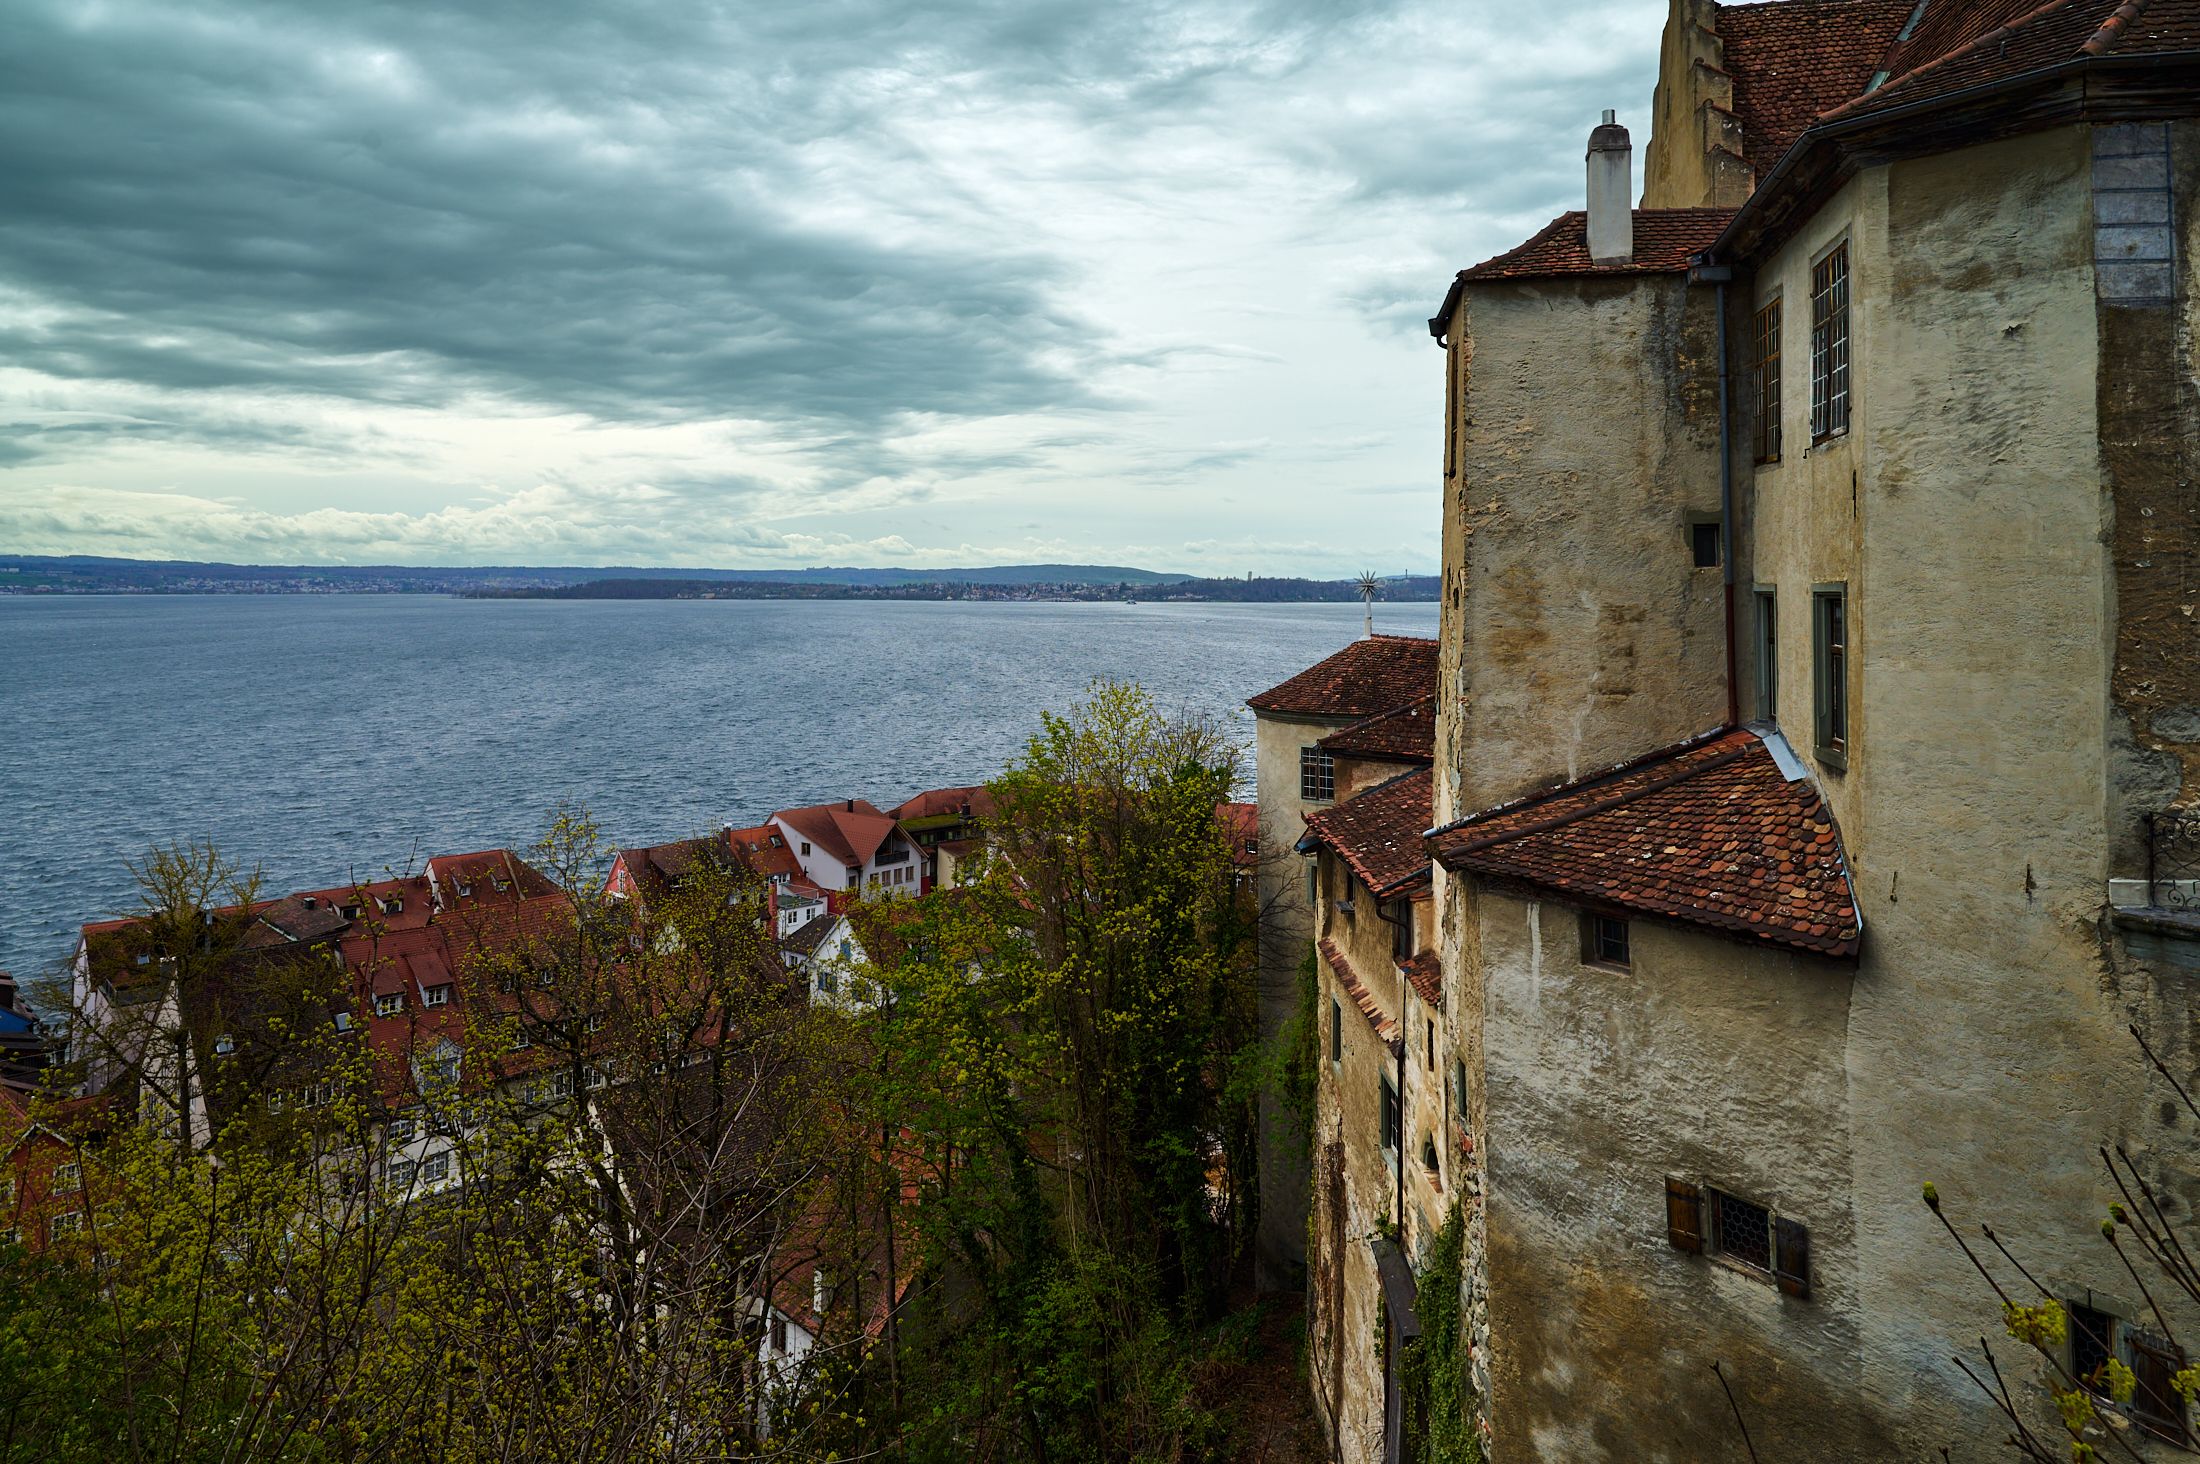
x,y
1728,996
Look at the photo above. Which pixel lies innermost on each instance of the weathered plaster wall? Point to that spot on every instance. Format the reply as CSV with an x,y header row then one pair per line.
x,y
1345,1314
1708,1061
1974,809
1589,435
1287,928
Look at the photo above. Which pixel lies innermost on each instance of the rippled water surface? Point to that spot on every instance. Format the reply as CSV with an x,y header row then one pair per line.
x,y
322,736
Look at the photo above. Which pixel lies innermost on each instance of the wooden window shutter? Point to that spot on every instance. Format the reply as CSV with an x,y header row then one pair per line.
x,y
2155,1405
1684,1216
1791,1261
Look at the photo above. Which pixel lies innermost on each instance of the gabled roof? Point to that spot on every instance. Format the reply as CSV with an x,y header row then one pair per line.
x,y
1665,238
806,941
1404,734
1370,675
1708,832
1379,832
850,830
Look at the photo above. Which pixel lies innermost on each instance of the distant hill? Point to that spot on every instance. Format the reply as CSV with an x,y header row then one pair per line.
x,y
95,574
1249,590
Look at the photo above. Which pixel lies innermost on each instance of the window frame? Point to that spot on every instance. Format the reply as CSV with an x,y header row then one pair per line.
x,y
1391,1120
1697,523
1317,772
1764,378
1831,386
1831,733
1767,639
1594,945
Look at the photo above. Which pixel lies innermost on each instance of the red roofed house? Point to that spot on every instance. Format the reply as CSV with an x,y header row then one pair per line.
x,y
850,847
1818,731
1370,681
947,826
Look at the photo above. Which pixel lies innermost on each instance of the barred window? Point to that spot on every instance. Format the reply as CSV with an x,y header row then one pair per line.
x,y
1317,775
1765,382
1829,345
1742,1230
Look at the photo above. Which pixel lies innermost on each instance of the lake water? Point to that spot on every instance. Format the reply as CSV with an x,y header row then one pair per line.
x,y
323,737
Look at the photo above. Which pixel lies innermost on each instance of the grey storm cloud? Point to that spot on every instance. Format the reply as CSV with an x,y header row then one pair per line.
x,y
776,261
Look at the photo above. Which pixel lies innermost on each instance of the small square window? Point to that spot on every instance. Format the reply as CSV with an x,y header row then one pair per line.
x,y
389,1005
68,1177
1604,941
68,1222
436,996
435,1168
1703,544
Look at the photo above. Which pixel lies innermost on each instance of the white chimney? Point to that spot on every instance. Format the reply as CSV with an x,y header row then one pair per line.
x,y
1611,193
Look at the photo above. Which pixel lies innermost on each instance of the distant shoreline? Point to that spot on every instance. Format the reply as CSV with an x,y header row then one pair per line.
x,y
24,576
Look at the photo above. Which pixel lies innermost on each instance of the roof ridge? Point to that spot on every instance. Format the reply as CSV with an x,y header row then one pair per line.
x,y
1998,35
2112,30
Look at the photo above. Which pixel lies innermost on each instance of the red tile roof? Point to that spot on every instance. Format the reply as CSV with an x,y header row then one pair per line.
x,y
763,852
1794,59
1241,822
1405,734
1962,45
1709,832
1378,832
1378,1021
850,830
976,802
1665,238
1425,972
1370,675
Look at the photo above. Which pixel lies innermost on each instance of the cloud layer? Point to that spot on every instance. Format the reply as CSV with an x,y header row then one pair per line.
x,y
714,283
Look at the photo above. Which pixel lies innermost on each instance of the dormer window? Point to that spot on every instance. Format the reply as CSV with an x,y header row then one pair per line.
x,y
144,958
435,996
390,1004
465,891
500,884
392,904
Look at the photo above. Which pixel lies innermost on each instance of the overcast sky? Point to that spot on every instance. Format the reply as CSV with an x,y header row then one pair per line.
x,y
789,283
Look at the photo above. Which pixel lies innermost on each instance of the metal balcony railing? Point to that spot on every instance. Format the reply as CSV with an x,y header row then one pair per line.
x,y
2173,859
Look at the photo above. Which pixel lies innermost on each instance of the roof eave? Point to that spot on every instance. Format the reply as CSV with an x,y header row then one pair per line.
x,y
1833,130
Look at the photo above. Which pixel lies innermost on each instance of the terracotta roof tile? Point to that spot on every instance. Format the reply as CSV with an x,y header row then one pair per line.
x,y
1959,44
1794,59
1405,734
1425,972
1370,675
1709,832
1378,1021
1664,240
1378,832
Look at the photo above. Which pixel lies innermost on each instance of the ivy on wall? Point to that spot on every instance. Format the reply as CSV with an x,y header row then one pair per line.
x,y
1438,1396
